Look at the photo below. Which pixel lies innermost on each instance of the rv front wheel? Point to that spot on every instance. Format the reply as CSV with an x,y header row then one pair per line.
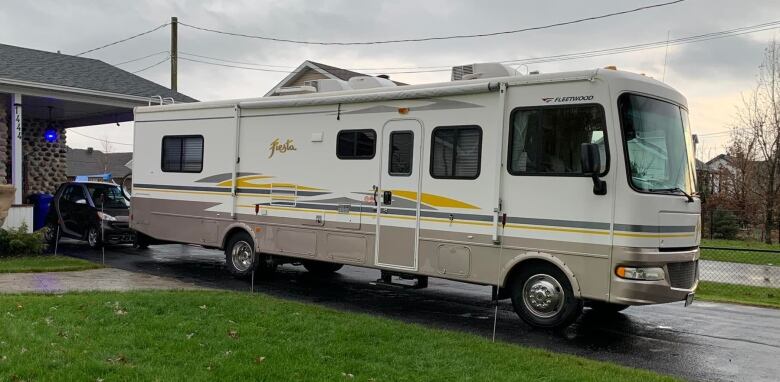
x,y
240,256
543,297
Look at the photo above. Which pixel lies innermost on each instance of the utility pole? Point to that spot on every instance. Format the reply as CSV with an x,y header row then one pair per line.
x,y
174,52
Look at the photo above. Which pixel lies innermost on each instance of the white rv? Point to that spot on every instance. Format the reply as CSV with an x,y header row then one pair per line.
x,y
560,190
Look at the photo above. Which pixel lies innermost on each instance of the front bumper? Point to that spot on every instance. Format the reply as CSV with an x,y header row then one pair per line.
x,y
118,233
681,276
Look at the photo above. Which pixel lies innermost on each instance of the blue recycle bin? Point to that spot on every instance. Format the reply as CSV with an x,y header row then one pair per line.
x,y
41,204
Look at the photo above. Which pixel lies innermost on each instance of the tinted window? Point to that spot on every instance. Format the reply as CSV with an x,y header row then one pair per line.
x,y
182,154
356,144
456,152
107,196
547,141
74,194
401,153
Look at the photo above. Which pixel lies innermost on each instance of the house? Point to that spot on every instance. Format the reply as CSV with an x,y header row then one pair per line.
x,y
92,164
42,94
719,175
310,71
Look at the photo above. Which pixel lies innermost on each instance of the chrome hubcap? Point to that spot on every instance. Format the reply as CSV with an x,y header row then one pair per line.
x,y
543,296
242,256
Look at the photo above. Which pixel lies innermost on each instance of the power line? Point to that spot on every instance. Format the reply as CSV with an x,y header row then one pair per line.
x,y
98,139
533,60
581,20
152,65
141,58
123,40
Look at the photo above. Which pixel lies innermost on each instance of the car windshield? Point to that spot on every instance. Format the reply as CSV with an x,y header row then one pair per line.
x,y
659,145
107,196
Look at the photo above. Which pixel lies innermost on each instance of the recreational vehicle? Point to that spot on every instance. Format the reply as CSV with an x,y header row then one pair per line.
x,y
560,190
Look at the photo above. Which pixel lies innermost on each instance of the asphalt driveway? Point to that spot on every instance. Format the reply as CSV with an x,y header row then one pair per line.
x,y
706,341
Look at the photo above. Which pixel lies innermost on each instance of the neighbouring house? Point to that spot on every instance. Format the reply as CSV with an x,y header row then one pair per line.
x,y
310,71
42,94
719,174
96,165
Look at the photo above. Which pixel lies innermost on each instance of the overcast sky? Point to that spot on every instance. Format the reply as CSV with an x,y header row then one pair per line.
x,y
712,74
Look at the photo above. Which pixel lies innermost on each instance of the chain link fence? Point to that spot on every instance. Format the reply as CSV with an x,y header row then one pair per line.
x,y
740,269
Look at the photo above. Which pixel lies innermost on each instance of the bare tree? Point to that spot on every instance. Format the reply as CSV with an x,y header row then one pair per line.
x,y
105,159
757,137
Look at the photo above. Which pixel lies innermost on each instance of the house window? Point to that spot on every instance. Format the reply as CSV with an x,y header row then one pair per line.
x,y
456,152
182,153
548,140
401,153
356,144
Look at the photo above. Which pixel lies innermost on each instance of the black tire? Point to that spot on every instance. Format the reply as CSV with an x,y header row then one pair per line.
x,y
94,237
141,241
321,268
243,264
51,236
539,309
603,307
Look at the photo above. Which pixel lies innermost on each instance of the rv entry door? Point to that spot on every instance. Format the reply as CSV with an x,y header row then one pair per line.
x,y
398,194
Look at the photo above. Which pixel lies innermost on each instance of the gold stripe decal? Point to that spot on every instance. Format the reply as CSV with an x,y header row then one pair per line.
x,y
434,200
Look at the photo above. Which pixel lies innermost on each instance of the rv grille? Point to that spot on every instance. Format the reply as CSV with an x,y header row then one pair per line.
x,y
459,71
683,275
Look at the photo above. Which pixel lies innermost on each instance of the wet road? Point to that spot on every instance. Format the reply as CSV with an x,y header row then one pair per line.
x,y
706,341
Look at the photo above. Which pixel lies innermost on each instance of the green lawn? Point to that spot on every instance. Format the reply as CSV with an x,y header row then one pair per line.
x,y
44,264
737,256
740,294
204,336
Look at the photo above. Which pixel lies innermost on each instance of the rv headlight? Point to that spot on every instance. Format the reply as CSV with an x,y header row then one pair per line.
x,y
105,217
634,273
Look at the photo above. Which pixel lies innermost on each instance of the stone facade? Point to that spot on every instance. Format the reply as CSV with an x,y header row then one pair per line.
x,y
45,164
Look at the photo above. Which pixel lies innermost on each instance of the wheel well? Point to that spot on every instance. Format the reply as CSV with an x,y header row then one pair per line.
x,y
232,232
515,271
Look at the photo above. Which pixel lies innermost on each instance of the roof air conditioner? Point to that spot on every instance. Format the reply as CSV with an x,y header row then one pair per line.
x,y
293,90
480,70
369,82
328,85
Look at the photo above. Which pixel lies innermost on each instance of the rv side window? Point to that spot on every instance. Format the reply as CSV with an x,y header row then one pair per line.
x,y
456,152
547,140
401,153
182,153
356,144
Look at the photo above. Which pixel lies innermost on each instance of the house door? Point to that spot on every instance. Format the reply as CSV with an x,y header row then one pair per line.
x,y
398,194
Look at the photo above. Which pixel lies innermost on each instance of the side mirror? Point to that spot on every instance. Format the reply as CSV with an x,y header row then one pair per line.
x,y
81,201
590,162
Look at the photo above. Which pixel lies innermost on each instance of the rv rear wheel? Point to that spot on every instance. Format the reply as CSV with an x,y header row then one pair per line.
x,y
241,259
321,267
543,297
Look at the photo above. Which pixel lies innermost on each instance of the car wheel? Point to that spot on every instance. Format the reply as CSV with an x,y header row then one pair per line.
x,y
603,307
94,237
543,297
241,259
321,268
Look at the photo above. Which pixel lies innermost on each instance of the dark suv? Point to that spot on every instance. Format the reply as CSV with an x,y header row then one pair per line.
x,y
95,212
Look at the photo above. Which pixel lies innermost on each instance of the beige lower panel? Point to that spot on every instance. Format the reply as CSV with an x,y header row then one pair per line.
x,y
589,262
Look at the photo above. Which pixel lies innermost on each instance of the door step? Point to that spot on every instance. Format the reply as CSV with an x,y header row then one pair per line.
x,y
418,282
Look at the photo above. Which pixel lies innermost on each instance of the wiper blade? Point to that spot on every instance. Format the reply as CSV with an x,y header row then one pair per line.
x,y
673,189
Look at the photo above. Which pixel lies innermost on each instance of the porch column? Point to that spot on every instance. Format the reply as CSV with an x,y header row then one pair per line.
x,y
16,145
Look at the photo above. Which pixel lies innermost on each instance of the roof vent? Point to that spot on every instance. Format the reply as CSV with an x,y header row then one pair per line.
x,y
328,85
480,70
369,82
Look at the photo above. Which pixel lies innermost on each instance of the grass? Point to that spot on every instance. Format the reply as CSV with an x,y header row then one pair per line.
x,y
737,256
44,264
204,336
739,294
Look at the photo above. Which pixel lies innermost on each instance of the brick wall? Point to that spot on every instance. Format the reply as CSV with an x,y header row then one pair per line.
x,y
4,143
45,164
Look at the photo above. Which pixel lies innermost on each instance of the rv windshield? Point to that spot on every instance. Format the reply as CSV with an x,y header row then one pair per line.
x,y
659,145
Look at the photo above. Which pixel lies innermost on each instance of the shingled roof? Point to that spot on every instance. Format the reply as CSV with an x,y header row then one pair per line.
x,y
37,66
93,162
324,71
